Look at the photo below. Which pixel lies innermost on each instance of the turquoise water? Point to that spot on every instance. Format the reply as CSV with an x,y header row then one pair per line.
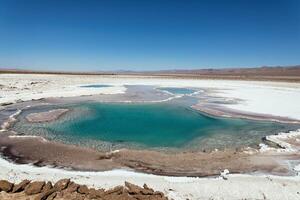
x,y
174,90
95,86
161,125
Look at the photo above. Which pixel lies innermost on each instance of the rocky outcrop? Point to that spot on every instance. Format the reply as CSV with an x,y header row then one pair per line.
x,y
21,186
5,186
67,189
34,187
61,184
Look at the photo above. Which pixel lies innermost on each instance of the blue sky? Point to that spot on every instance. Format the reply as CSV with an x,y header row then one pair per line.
x,y
148,35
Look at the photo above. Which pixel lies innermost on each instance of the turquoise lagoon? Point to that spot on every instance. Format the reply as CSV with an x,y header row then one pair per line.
x,y
95,86
143,125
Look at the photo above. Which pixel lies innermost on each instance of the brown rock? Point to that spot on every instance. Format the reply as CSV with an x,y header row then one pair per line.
x,y
93,193
83,189
45,194
145,186
123,196
34,187
72,187
5,186
71,196
115,190
134,189
61,184
21,186
51,196
158,193
47,187
149,197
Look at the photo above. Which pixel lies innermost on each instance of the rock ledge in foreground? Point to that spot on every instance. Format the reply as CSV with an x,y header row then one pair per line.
x,y
67,189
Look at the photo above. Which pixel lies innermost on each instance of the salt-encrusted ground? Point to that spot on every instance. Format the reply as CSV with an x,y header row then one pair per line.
x,y
270,98
181,188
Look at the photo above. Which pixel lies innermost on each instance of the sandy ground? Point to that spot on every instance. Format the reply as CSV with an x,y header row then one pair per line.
x,y
270,98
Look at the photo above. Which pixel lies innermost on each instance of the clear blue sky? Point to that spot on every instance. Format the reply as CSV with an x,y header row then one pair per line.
x,y
148,35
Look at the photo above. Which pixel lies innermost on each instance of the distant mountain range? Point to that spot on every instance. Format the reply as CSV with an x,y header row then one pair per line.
x,y
259,71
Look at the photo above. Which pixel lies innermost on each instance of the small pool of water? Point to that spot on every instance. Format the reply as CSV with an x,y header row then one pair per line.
x,y
157,125
95,86
175,90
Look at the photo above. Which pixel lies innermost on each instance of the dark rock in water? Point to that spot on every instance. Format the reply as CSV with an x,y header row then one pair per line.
x,y
264,139
34,187
6,104
61,184
5,186
21,186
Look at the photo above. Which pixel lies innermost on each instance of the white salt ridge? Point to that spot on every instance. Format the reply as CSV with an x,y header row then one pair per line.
x,y
11,119
280,139
28,136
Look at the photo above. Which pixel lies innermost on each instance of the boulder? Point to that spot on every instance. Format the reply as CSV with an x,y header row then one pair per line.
x,y
34,187
134,189
149,197
6,186
45,194
21,186
123,196
46,191
83,189
48,186
147,190
93,193
52,196
61,184
115,190
72,187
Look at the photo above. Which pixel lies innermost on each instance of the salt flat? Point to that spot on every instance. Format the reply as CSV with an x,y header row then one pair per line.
x,y
178,188
271,98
